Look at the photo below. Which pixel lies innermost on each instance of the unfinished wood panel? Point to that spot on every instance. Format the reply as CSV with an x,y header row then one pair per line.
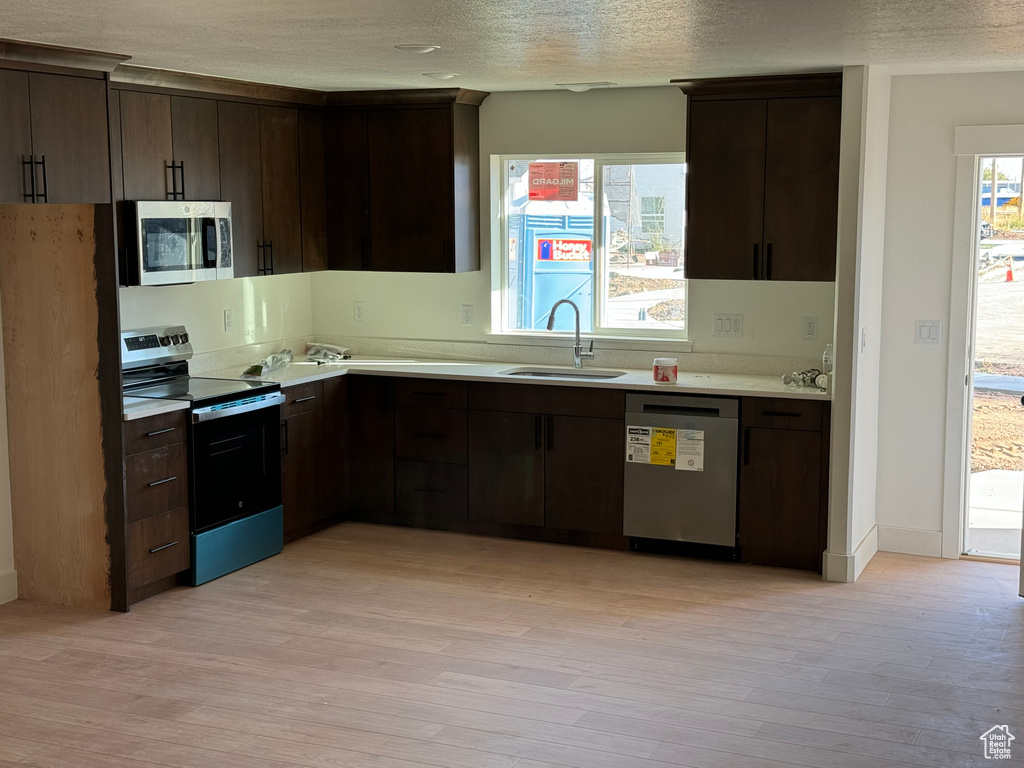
x,y
51,321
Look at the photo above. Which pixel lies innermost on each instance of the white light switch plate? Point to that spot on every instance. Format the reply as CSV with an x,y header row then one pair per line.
x,y
928,332
727,325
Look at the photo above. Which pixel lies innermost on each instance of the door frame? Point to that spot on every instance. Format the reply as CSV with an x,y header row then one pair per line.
x,y
972,142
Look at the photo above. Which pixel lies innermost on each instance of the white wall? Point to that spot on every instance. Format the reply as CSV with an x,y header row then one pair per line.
x,y
924,112
623,120
263,309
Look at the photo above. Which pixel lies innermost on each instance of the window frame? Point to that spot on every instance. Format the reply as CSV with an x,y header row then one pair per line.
x,y
500,261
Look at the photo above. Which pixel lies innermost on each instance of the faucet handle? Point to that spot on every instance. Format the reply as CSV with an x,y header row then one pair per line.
x,y
589,354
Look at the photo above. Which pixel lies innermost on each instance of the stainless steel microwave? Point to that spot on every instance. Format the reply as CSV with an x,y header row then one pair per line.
x,y
177,241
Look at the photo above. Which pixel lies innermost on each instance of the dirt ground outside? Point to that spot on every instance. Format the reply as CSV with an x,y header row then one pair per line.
x,y
997,431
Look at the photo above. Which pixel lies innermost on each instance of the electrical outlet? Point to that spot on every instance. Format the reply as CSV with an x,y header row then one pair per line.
x,y
810,328
727,325
467,314
358,311
229,320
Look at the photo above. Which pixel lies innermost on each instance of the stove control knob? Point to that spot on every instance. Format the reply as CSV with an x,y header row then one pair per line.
x,y
184,338
175,339
165,341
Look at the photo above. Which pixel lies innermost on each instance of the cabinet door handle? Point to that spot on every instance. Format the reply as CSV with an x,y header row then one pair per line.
x,y
181,167
538,432
171,190
430,436
757,260
43,194
429,394
155,483
261,258
30,165
782,414
768,262
160,432
364,248
270,248
551,433
162,548
431,490
303,399
746,446
284,437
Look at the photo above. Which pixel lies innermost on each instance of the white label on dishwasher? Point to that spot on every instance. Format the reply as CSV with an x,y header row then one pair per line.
x,y
638,445
690,450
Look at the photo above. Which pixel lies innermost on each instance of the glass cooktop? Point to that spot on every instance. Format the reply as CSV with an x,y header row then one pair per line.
x,y
197,389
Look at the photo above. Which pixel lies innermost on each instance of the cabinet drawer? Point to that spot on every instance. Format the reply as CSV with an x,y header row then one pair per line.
x,y
157,547
781,413
434,393
428,491
302,398
156,481
154,432
430,434
558,401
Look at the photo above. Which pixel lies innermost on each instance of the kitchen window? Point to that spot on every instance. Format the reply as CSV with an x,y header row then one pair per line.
x,y
605,231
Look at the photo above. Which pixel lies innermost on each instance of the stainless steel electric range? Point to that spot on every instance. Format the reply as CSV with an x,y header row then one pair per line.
x,y
234,450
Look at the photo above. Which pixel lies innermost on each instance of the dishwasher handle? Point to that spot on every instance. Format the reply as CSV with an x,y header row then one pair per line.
x,y
674,410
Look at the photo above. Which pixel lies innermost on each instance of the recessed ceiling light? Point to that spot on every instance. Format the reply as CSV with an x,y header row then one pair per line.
x,y
581,87
417,48
440,75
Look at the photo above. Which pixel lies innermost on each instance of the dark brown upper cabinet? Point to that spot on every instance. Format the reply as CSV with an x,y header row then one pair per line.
x,y
169,147
403,180
763,178
278,207
54,146
241,182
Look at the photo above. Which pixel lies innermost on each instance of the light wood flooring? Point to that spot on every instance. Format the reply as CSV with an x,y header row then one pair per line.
x,y
378,647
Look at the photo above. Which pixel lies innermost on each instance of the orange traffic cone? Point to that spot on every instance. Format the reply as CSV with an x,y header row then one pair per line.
x,y
1009,275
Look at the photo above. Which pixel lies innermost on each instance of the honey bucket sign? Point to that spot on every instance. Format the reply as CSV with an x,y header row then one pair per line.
x,y
554,181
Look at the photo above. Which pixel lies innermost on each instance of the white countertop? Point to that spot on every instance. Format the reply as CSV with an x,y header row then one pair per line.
x,y
141,407
301,372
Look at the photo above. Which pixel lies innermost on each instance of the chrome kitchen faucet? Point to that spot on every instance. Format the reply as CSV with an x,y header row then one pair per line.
x,y
578,355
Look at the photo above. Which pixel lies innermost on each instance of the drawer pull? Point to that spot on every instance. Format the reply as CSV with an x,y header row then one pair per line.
x,y
160,432
155,483
304,399
431,490
782,414
429,394
431,437
162,548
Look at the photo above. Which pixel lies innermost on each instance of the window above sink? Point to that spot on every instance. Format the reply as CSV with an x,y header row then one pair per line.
x,y
605,231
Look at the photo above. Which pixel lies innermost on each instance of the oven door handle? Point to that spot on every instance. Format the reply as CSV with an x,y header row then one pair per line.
x,y
222,411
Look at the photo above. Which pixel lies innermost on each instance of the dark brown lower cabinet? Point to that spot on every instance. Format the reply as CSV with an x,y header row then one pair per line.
x,y
302,471
337,488
780,499
372,452
583,473
506,467
430,493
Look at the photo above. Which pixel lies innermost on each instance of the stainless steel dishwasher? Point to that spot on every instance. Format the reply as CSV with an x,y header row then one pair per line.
x,y
681,467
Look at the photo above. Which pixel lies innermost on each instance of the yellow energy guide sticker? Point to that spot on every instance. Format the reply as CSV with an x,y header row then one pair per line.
x,y
663,447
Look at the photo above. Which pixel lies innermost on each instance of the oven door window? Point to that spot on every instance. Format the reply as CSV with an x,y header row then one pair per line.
x,y
236,467
168,245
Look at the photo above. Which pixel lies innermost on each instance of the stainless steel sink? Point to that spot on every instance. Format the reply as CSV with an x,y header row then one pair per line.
x,y
562,373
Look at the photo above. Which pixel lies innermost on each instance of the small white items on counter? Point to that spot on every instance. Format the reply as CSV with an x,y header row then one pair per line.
x,y
666,370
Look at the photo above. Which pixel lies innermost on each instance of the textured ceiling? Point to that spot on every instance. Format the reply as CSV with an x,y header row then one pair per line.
x,y
524,44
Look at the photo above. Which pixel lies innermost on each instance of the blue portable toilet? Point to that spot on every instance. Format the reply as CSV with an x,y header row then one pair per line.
x,y
552,258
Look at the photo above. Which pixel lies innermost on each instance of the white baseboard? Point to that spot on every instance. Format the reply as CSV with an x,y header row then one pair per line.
x,y
909,541
845,568
8,587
